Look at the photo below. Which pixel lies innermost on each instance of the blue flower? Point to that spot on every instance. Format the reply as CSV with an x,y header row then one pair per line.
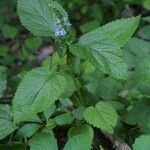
x,y
67,22
60,32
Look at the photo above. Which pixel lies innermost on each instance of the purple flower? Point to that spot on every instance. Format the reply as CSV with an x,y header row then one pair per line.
x,y
60,32
67,22
59,28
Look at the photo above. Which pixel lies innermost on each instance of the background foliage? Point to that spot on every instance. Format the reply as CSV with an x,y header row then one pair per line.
x,y
77,98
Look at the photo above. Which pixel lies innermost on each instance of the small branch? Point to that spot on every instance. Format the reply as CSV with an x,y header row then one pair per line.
x,y
117,142
109,141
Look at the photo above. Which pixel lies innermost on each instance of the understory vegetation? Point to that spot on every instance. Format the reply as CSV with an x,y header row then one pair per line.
x,y
74,75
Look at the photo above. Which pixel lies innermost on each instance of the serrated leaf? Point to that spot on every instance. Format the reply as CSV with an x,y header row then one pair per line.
x,y
102,46
142,143
38,91
80,138
43,141
102,116
118,31
108,57
142,119
38,17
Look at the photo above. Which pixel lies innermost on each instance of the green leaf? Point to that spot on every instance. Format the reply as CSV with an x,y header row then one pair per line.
x,y
6,112
28,130
49,111
38,17
78,113
135,50
108,57
43,141
6,127
118,31
117,105
9,31
102,116
65,102
107,89
83,129
89,26
142,143
146,4
38,91
141,76
142,119
138,47
87,68
63,119
80,138
3,80
101,148
78,142
33,43
70,87
144,32
51,124
35,118
55,60
102,46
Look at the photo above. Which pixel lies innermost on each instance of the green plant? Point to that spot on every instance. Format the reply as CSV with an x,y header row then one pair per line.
x,y
80,88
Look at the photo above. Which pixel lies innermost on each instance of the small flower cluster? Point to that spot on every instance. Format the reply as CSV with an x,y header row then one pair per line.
x,y
60,28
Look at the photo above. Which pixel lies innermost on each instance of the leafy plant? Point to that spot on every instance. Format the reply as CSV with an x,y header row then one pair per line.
x,y
83,87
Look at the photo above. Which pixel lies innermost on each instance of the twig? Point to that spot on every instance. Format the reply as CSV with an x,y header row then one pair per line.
x,y
117,142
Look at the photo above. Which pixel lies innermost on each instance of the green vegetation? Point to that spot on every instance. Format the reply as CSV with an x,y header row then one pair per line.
x,y
74,75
